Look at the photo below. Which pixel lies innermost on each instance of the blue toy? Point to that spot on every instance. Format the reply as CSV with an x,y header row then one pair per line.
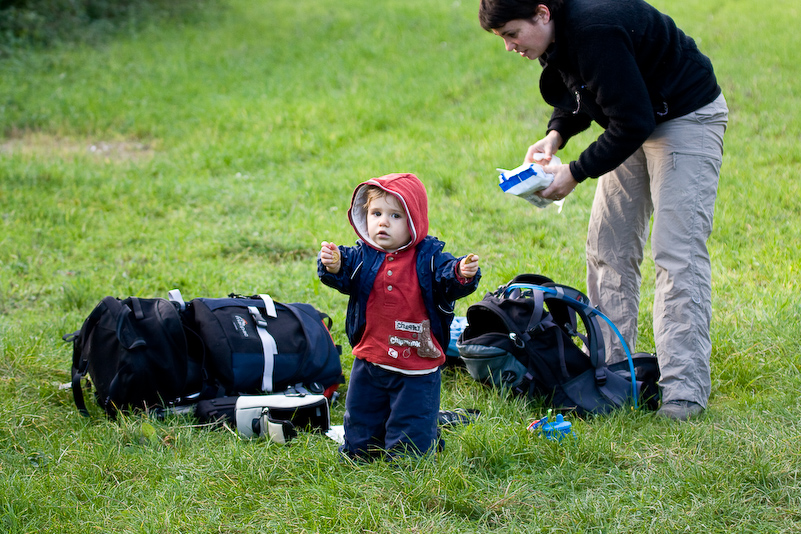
x,y
555,430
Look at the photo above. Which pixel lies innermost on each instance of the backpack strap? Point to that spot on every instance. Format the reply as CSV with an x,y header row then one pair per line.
x,y
268,345
538,320
136,306
579,304
541,320
79,369
526,385
129,337
77,393
595,340
326,319
269,305
80,362
127,332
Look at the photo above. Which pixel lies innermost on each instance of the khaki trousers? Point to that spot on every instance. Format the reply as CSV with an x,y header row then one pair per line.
x,y
674,178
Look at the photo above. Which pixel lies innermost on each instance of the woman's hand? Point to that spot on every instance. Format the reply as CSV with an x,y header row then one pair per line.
x,y
547,146
563,182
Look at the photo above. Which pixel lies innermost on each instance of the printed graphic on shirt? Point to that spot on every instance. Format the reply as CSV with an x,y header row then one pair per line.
x,y
403,326
420,340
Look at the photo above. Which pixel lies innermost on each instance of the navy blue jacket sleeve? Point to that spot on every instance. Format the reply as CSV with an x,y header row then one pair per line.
x,y
446,280
343,280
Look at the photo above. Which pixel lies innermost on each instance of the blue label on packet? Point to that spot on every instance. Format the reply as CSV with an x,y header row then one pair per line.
x,y
509,179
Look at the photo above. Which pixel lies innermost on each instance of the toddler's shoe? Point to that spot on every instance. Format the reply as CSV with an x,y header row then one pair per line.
x,y
459,416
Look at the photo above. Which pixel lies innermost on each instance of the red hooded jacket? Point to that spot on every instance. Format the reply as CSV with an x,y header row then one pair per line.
x,y
419,307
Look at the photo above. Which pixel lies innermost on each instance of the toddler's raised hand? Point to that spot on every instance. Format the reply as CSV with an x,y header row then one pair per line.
x,y
329,256
468,267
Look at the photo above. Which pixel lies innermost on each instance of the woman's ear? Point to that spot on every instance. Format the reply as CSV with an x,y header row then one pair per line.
x,y
542,13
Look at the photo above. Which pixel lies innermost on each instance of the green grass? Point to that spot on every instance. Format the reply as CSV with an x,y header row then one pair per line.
x,y
214,156
47,23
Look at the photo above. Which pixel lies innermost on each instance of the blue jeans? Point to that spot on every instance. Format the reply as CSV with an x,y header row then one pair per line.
x,y
388,413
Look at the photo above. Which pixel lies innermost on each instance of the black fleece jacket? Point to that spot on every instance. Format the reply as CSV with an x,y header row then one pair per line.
x,y
626,66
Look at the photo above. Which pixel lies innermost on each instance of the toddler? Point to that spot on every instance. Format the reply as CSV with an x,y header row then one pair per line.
x,y
402,287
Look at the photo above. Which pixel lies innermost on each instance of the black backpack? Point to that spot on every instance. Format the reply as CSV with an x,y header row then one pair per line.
x,y
157,353
522,338
135,352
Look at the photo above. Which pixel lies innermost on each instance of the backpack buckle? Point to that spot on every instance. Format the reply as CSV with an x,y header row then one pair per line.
x,y
257,317
600,376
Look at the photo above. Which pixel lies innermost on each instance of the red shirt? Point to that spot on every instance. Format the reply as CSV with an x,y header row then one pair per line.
x,y
397,333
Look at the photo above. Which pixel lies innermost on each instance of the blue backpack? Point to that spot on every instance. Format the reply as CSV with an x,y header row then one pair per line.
x,y
254,345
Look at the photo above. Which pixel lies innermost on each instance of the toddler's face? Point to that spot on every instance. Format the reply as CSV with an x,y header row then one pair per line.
x,y
387,223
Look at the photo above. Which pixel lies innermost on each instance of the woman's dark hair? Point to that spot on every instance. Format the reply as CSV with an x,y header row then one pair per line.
x,y
494,14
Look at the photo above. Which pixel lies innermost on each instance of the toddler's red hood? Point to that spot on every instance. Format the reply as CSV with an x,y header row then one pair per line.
x,y
410,192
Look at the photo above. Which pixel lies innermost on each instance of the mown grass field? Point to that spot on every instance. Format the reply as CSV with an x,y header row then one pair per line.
x,y
214,155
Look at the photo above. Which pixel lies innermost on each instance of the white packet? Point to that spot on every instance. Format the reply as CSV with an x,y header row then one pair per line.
x,y
525,180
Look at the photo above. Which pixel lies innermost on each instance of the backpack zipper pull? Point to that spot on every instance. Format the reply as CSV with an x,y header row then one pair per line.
x,y
516,340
